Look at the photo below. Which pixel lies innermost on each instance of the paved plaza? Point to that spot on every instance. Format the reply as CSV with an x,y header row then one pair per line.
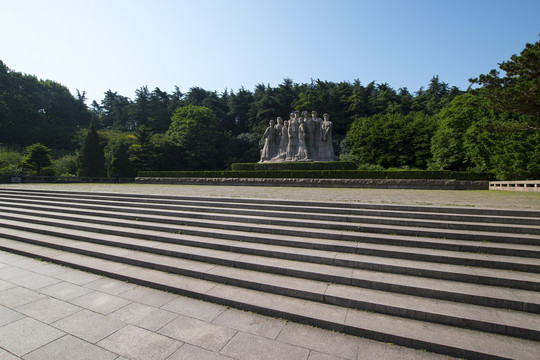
x,y
49,311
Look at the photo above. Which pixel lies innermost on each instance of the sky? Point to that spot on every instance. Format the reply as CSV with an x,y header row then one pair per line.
x,y
122,45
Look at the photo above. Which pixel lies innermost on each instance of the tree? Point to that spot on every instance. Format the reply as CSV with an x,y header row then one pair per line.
x,y
195,130
140,109
91,160
160,115
239,109
264,107
518,91
66,165
114,112
391,140
34,110
447,145
10,161
142,153
437,95
117,153
37,159
509,155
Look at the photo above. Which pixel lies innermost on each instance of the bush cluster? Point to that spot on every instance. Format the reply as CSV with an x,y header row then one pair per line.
x,y
318,165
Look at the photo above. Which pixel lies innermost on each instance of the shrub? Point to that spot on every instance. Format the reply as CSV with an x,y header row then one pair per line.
x,y
317,165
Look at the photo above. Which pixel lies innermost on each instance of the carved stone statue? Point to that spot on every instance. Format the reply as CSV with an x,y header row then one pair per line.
x,y
326,150
302,154
283,136
269,148
298,139
313,133
292,146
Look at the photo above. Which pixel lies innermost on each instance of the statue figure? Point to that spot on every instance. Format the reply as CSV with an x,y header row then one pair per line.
x,y
269,136
317,135
279,128
302,153
292,146
326,150
310,138
283,135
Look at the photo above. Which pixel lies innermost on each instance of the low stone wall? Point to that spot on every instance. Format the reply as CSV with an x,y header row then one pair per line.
x,y
62,179
431,184
524,186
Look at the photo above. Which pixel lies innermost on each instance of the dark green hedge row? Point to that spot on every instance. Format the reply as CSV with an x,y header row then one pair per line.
x,y
324,174
317,165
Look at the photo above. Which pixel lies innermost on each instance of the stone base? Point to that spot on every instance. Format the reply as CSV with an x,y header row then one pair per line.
x,y
426,184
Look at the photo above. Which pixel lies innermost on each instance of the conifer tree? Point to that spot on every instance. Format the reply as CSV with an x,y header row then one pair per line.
x,y
37,158
91,160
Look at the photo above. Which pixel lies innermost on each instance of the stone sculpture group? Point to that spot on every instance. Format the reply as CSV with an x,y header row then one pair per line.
x,y
298,139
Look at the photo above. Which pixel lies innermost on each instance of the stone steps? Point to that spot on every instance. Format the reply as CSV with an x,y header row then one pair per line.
x,y
406,286
157,201
522,300
172,217
244,232
322,217
264,246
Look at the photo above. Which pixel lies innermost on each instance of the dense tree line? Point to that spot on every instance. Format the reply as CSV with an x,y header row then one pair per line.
x,y
493,128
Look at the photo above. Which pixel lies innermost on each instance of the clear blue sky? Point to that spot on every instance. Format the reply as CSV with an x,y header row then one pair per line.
x,y
122,45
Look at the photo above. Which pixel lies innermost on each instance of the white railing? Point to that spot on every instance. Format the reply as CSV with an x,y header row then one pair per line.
x,y
526,185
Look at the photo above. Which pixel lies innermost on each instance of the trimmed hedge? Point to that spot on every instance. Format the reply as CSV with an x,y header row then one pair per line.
x,y
317,165
323,174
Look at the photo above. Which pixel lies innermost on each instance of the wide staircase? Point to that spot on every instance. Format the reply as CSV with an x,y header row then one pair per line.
x,y
458,281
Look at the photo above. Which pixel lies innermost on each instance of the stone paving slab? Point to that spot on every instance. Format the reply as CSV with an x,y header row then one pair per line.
x,y
162,326
25,335
135,343
68,348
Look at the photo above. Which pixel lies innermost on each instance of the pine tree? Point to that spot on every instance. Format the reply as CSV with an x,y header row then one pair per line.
x,y
37,158
91,160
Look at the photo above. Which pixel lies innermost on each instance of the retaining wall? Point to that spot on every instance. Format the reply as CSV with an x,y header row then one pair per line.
x,y
431,184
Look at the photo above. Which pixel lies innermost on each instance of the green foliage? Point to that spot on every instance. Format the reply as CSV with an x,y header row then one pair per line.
x,y
91,159
169,155
9,157
495,128
65,166
437,95
37,159
114,112
452,124
242,148
392,140
33,110
319,165
142,153
10,161
472,136
323,174
518,91
510,155
117,154
195,130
